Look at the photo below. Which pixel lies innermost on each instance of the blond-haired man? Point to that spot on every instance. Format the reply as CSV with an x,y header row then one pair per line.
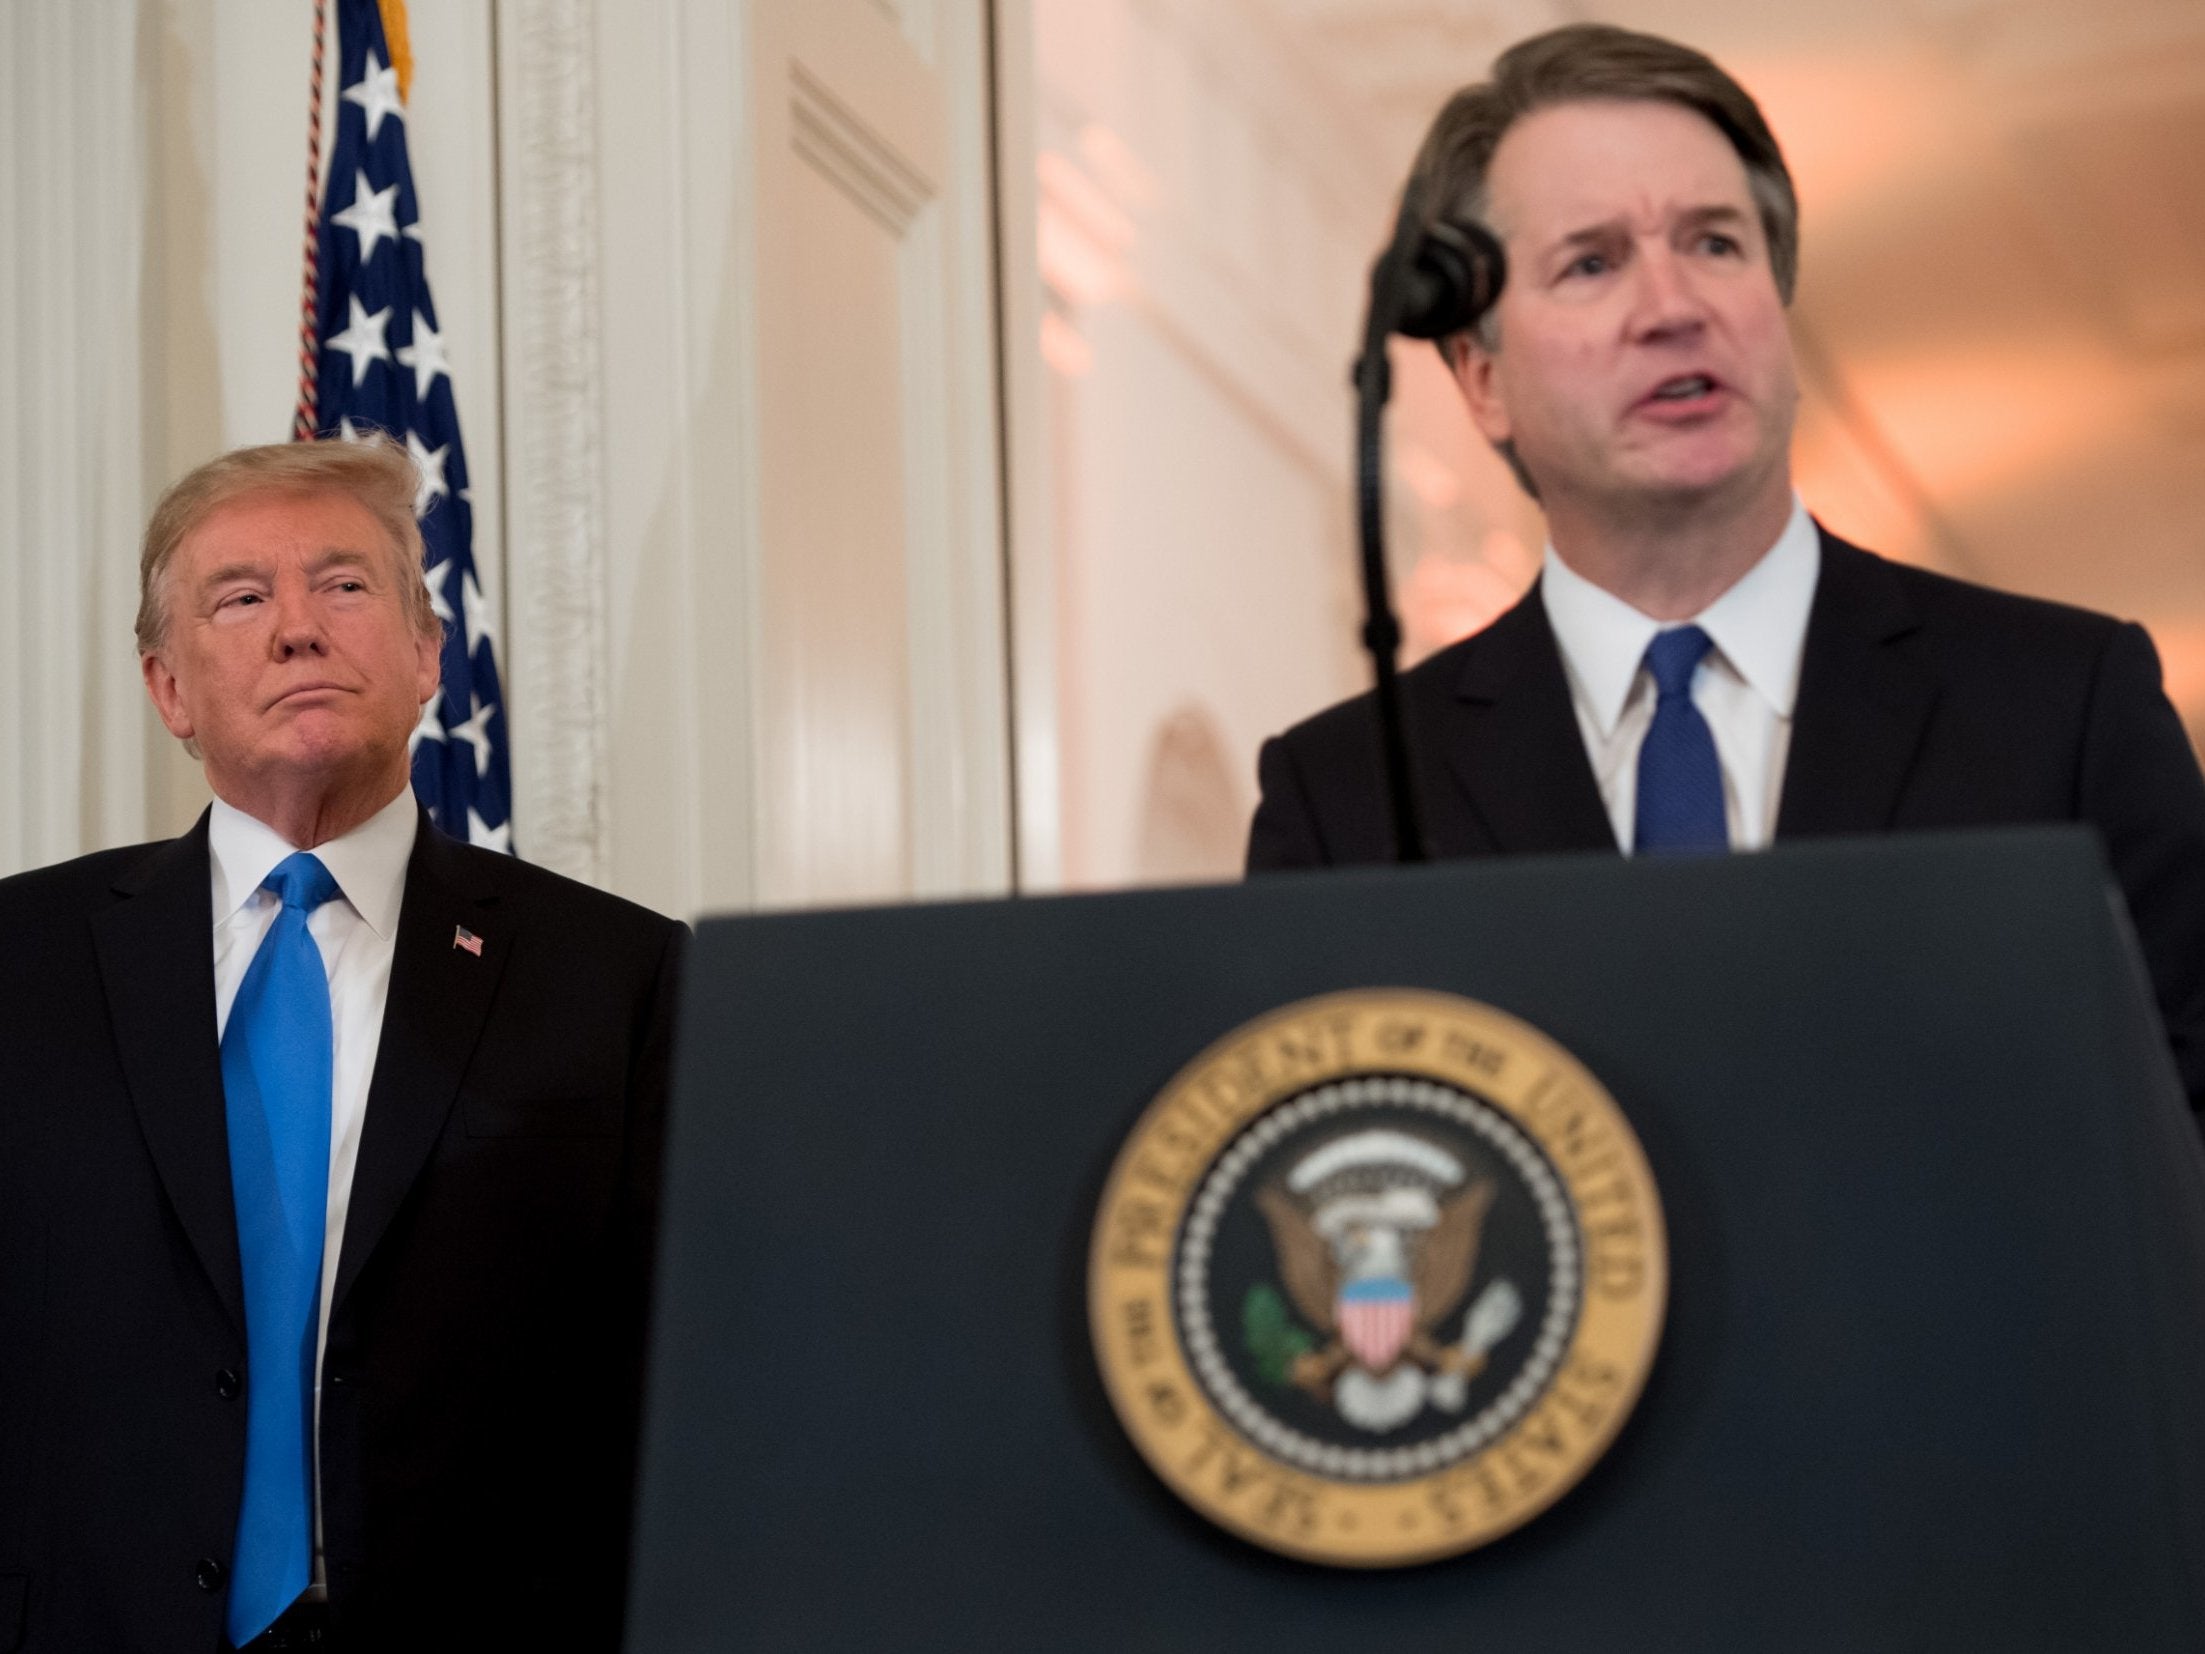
x,y
328,1146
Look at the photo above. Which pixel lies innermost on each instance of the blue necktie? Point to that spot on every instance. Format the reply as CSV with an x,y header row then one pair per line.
x,y
1680,780
276,1061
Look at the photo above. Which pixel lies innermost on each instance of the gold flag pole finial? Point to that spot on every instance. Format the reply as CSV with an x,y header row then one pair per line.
x,y
401,49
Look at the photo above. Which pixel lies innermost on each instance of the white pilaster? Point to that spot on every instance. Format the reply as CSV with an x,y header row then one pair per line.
x,y
554,444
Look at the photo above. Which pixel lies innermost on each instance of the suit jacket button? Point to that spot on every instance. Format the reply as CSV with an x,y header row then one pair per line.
x,y
227,1384
208,1573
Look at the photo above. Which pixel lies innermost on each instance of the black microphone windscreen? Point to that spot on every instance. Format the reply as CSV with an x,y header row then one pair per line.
x,y
1452,280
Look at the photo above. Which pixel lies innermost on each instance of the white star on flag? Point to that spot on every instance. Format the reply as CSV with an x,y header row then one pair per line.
x,y
434,579
487,837
477,612
376,92
427,728
476,732
373,215
425,356
362,340
433,486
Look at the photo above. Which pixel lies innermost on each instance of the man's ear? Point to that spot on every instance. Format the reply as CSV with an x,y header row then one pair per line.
x,y
428,666
161,689
1477,376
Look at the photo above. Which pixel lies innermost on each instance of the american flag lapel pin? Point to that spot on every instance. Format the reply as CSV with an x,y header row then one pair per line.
x,y
462,937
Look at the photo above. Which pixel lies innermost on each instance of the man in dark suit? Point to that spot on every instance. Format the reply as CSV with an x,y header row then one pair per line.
x,y
1700,666
328,1148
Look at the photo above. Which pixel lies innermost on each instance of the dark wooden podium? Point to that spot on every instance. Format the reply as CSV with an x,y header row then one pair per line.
x,y
1934,1368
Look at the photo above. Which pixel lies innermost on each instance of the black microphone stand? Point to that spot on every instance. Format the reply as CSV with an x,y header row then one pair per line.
x,y
1381,629
1438,276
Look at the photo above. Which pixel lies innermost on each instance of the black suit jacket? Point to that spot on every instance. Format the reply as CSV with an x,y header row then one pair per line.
x,y
1924,702
482,1372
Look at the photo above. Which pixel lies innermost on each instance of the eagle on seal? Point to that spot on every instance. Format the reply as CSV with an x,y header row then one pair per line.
x,y
1376,1237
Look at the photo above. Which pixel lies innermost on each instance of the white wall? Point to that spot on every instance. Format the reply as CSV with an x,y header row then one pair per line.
x,y
1206,218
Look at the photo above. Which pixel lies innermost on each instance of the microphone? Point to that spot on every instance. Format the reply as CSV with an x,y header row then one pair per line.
x,y
1451,278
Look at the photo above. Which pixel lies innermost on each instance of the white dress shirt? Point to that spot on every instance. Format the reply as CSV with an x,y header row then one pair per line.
x,y
1744,688
356,931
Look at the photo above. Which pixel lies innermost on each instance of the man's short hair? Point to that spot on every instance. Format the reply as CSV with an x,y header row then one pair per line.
x,y
375,472
1587,62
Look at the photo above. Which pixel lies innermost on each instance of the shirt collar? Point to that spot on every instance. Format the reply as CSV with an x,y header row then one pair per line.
x,y
368,863
1759,624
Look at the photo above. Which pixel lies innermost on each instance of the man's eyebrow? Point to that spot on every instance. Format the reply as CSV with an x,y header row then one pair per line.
x,y
340,557
234,571
335,557
1606,230
1718,212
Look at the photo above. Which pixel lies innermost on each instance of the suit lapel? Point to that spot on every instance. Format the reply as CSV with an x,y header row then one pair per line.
x,y
156,956
1863,705
440,994
1511,737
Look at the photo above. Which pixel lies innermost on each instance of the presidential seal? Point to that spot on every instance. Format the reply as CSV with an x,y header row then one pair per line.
x,y
1377,1277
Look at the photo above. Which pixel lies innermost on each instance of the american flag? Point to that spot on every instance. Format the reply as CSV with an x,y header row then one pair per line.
x,y
382,364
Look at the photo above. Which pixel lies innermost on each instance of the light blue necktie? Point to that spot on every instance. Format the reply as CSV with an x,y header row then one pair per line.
x,y
276,1061
1680,780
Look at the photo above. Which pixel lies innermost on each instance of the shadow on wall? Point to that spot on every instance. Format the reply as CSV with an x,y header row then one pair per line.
x,y
1194,816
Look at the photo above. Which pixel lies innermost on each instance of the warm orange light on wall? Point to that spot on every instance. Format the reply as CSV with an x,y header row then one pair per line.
x,y
1445,599
1084,237
1977,420
2182,659
1855,126
1064,348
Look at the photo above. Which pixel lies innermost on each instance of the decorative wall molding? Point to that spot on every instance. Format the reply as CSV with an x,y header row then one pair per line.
x,y
655,162
959,625
554,446
1031,549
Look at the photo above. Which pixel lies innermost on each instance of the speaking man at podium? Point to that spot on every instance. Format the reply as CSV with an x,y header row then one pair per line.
x,y
328,1147
1700,665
